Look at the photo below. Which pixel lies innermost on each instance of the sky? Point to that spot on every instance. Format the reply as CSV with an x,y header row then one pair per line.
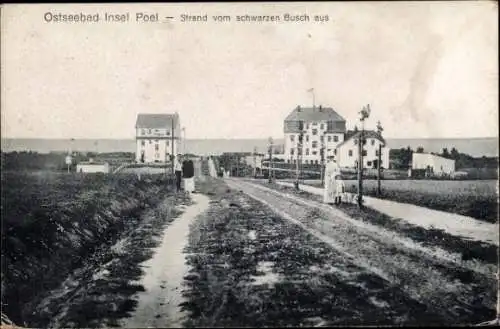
x,y
427,69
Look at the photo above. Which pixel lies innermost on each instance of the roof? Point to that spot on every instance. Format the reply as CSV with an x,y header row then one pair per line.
x,y
367,134
154,121
94,163
431,154
317,113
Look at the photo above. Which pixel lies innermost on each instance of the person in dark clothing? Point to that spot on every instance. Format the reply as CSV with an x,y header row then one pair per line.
x,y
188,175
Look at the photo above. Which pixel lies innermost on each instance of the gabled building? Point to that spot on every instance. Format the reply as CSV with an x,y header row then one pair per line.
x,y
158,136
347,153
322,126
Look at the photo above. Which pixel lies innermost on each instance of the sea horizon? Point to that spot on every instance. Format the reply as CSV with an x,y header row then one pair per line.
x,y
474,146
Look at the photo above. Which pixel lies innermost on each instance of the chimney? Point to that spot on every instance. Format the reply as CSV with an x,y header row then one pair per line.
x,y
298,108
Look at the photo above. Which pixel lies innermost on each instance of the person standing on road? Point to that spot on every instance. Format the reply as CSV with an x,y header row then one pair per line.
x,y
332,170
178,172
188,175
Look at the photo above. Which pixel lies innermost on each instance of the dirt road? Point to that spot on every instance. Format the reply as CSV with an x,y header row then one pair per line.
x,y
158,304
452,223
459,291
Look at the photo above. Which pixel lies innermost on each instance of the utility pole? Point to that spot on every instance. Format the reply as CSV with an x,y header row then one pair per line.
x,y
255,162
172,147
379,162
299,153
365,113
183,140
270,180
322,153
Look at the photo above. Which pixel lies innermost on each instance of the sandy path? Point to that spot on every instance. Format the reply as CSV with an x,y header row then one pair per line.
x,y
158,305
453,224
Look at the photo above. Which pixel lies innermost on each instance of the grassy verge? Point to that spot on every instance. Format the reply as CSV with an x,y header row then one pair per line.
x,y
53,224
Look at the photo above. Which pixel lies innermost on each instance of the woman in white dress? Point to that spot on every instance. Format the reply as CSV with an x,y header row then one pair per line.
x,y
332,170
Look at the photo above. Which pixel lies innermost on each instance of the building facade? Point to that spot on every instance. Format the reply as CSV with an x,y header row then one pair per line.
x,y
158,136
347,153
92,167
322,127
436,164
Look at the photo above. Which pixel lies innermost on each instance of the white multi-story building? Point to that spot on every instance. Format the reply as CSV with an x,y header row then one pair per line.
x,y
157,137
323,127
347,153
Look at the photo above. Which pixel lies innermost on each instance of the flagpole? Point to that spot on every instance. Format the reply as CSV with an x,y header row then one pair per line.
x,y
314,98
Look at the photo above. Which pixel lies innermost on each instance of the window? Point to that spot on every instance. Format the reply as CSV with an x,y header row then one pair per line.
x,y
376,153
307,161
157,147
315,131
287,161
314,123
307,126
143,143
373,142
355,142
322,126
368,163
168,132
314,144
316,161
149,131
292,151
292,138
335,138
364,152
150,142
329,138
322,139
167,143
335,151
307,138
329,150
143,131
314,152
350,153
307,151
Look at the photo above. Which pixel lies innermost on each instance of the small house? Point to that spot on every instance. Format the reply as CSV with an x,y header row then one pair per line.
x,y
435,164
92,167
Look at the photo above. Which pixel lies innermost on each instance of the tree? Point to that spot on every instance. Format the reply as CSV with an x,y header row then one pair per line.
x,y
454,153
445,153
420,149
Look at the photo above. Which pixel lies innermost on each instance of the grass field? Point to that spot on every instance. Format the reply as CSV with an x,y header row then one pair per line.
x,y
53,222
477,199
